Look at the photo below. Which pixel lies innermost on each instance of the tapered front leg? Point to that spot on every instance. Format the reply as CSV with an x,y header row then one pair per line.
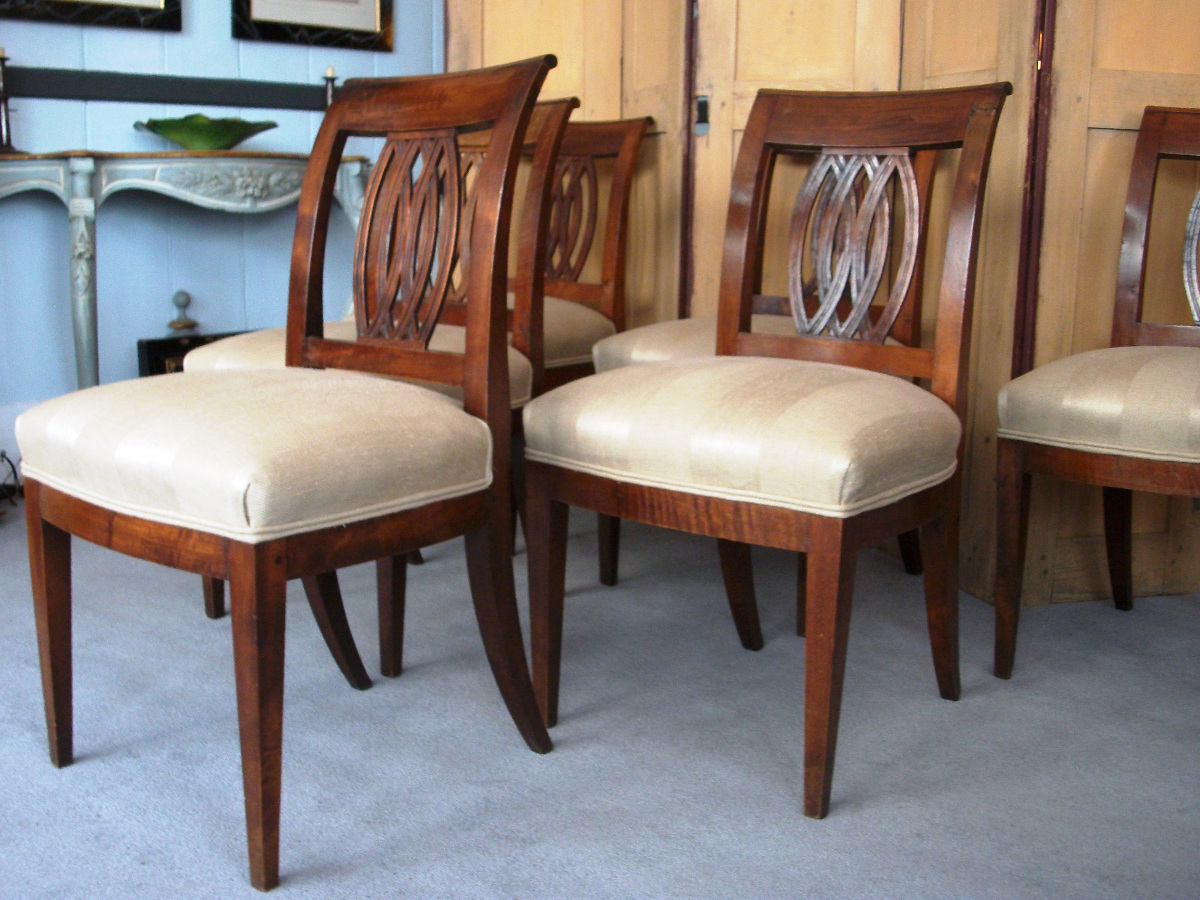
x,y
214,597
831,563
738,574
325,599
546,531
50,571
391,582
1118,542
258,591
1012,516
489,565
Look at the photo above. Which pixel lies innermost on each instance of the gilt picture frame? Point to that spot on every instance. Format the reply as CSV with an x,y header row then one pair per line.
x,y
157,15
350,24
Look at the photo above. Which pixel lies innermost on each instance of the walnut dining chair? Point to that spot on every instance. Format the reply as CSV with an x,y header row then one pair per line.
x,y
265,349
258,477
817,442
1125,417
696,337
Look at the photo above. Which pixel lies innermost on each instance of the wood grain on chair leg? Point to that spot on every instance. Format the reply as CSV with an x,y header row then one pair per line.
x,y
325,599
1012,514
50,567
801,592
547,532
940,539
910,552
1118,541
831,563
489,566
214,597
738,573
391,585
257,596
608,534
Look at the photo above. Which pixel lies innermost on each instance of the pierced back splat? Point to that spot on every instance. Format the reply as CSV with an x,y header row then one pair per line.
x,y
1191,265
572,217
843,216
469,163
409,238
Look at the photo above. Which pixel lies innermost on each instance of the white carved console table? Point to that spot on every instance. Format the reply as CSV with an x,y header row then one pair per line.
x,y
218,179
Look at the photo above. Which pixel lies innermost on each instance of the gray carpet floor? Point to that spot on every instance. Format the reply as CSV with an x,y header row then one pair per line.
x,y
676,771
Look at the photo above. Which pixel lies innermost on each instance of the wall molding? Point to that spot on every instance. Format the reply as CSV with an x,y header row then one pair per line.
x,y
72,84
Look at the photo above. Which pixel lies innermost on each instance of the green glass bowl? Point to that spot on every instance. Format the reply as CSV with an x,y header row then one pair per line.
x,y
199,132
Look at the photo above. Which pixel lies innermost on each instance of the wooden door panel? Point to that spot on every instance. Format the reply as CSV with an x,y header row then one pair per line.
x,y
745,46
621,59
948,43
1119,58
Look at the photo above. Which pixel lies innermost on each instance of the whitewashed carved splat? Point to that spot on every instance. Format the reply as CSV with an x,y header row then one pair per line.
x,y
1191,265
843,217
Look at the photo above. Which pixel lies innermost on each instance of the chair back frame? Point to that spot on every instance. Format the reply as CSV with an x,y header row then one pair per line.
x,y
575,209
878,123
412,208
1165,133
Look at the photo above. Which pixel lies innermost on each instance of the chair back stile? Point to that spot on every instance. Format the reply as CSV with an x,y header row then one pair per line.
x,y
529,281
1165,134
841,129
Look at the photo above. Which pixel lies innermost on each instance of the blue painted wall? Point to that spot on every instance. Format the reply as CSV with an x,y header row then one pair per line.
x,y
148,247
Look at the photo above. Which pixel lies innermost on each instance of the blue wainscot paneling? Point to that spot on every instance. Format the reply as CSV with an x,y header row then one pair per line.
x,y
149,247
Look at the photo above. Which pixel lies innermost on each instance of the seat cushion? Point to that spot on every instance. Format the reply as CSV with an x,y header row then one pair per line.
x,y
258,454
266,349
571,330
1128,401
813,437
678,339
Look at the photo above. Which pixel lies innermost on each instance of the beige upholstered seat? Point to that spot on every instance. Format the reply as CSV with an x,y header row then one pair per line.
x,y
1130,401
231,453
570,331
678,339
817,438
265,350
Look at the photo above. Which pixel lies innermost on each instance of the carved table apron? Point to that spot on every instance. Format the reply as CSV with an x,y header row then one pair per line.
x,y
217,179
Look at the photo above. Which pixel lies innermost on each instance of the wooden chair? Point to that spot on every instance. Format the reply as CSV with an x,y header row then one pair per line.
x,y
1125,417
579,311
257,477
807,443
266,349
696,338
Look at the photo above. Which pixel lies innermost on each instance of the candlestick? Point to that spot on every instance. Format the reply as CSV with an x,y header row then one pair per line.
x,y
6,145
330,78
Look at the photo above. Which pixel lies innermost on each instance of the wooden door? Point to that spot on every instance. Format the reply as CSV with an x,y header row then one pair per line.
x,y
745,45
948,43
1112,59
621,58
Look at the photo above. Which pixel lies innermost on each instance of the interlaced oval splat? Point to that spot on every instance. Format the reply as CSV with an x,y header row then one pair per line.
x,y
572,217
1191,265
411,219
843,215
469,162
